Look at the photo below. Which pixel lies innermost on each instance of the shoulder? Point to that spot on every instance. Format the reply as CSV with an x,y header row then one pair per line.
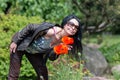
x,y
57,29
53,30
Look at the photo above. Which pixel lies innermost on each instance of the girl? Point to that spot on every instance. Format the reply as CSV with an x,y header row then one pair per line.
x,y
36,41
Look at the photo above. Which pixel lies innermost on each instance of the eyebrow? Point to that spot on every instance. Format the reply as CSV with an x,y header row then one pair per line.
x,y
73,24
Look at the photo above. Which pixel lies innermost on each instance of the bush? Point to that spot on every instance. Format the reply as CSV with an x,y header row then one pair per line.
x,y
112,53
116,75
9,24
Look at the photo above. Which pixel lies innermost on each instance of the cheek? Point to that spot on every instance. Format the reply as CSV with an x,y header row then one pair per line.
x,y
66,28
69,30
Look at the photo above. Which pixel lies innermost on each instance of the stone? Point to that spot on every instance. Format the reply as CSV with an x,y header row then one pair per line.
x,y
95,78
95,62
116,69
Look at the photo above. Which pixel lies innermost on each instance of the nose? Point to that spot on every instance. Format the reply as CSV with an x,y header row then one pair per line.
x,y
73,27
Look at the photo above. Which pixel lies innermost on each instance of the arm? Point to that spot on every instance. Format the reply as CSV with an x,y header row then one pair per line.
x,y
53,56
21,35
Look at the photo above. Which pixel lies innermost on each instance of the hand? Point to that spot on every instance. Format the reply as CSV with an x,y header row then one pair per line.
x,y
13,47
69,47
62,48
67,40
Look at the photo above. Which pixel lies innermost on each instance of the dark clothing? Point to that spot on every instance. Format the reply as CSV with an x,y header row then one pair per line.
x,y
31,32
40,45
35,59
23,39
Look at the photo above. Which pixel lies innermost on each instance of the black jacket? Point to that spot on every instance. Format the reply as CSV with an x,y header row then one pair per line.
x,y
24,37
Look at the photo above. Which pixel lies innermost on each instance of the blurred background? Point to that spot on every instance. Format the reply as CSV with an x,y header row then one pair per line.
x,y
100,21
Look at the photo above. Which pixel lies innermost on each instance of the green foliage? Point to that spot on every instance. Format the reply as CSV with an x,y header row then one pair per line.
x,y
92,13
9,24
116,75
12,23
53,10
112,53
115,28
109,45
67,69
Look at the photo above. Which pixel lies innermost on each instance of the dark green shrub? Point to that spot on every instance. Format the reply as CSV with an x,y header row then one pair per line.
x,y
53,10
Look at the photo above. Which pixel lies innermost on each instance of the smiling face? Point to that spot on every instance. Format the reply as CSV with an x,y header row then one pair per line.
x,y
71,27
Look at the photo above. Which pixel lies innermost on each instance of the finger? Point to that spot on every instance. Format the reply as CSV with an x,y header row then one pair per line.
x,y
70,47
11,49
14,49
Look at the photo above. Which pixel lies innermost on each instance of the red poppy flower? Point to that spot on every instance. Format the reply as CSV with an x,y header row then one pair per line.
x,y
61,49
67,40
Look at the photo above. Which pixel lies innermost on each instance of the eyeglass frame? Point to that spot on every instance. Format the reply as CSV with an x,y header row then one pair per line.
x,y
72,24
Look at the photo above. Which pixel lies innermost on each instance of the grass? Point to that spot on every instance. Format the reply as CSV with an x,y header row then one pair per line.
x,y
111,40
102,40
66,69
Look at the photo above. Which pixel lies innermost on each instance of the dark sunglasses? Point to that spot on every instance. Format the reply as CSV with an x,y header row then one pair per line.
x,y
72,24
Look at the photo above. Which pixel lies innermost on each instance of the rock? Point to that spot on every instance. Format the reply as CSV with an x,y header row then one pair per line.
x,y
94,78
116,69
94,60
93,45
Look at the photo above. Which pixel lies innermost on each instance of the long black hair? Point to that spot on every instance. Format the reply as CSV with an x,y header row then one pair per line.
x,y
77,46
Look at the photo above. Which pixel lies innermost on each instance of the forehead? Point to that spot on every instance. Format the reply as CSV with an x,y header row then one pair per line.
x,y
74,21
